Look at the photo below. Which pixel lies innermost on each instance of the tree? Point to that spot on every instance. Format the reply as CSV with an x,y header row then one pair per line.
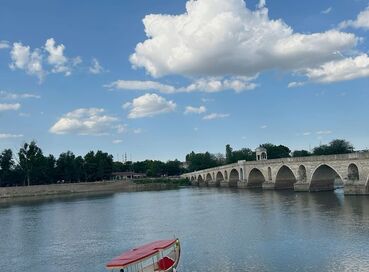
x,y
276,152
229,154
79,167
340,147
243,154
334,147
30,160
301,153
199,161
90,166
173,168
65,166
104,165
6,165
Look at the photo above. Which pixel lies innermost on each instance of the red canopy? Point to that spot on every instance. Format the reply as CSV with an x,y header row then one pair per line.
x,y
139,253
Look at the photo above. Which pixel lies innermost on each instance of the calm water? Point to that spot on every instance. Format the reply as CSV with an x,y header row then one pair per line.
x,y
220,230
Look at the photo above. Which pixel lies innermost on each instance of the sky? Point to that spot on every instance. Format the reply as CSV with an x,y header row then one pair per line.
x,y
159,79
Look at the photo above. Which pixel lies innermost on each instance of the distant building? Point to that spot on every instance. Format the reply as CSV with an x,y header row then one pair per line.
x,y
261,154
127,175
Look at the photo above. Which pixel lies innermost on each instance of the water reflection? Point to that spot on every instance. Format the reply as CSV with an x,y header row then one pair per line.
x,y
220,229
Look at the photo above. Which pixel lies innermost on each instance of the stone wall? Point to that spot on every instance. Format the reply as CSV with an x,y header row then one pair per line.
x,y
73,188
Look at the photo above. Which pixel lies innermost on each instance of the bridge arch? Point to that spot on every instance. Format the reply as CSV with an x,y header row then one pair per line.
x,y
219,178
256,179
323,178
194,181
302,176
200,181
353,172
285,178
234,177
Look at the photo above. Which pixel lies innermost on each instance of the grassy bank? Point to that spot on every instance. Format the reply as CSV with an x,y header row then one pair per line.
x,y
90,187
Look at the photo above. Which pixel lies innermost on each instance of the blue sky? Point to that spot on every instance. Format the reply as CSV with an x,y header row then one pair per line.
x,y
84,75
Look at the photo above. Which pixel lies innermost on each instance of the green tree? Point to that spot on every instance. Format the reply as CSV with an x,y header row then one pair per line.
x,y
243,154
276,152
90,166
104,165
301,153
229,154
199,161
173,168
334,147
65,166
340,147
79,167
6,165
30,161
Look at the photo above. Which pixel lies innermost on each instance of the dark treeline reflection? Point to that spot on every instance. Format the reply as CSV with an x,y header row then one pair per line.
x,y
31,167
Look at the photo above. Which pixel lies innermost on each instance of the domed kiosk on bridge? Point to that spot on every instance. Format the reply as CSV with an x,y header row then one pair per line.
x,y
261,154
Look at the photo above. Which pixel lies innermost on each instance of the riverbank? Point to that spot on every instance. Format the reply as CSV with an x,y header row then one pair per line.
x,y
84,188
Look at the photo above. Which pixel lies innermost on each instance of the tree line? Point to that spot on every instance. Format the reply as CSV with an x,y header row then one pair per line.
x,y
29,166
199,161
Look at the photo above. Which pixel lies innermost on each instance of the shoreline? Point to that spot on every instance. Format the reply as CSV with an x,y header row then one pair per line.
x,y
99,187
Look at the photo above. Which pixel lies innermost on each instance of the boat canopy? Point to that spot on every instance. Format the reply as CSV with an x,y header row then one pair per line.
x,y
140,253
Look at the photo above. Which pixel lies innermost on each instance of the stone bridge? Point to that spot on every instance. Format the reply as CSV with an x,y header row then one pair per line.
x,y
305,174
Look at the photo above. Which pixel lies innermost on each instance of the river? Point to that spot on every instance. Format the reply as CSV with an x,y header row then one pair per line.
x,y
219,229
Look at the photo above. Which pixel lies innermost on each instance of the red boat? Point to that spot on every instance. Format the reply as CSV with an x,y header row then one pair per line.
x,y
162,255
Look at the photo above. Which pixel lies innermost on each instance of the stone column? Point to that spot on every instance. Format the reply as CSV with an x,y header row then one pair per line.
x,y
301,187
242,184
355,188
268,185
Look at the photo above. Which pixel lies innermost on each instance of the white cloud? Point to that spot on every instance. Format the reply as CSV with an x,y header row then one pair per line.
x,y
95,67
149,105
4,45
362,21
324,132
214,116
117,141
199,110
262,4
141,86
25,59
340,70
56,57
213,85
10,136
225,38
306,133
208,85
32,62
76,61
8,107
137,131
263,126
121,128
327,11
207,100
14,96
85,121
295,84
